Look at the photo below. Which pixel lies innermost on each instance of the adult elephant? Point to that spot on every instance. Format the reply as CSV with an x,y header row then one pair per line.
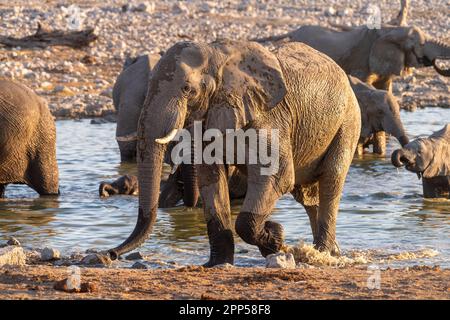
x,y
430,159
231,85
374,56
380,114
129,94
27,140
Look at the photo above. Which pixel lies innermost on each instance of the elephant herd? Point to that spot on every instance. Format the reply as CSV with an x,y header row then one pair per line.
x,y
327,93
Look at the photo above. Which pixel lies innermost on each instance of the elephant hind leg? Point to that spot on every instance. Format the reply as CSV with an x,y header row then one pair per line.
x,y
331,184
308,197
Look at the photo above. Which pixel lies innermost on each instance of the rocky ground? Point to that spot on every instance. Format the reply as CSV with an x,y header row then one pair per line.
x,y
38,282
78,83
302,274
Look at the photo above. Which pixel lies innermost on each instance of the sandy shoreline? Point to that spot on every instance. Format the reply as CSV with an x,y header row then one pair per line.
x,y
36,282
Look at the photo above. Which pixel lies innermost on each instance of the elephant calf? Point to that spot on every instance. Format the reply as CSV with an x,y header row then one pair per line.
x,y
430,159
124,185
380,114
27,140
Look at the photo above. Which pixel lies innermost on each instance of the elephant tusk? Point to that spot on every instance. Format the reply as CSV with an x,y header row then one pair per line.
x,y
168,138
174,168
128,138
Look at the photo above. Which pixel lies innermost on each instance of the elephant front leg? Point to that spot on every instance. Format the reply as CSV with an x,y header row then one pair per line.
x,y
252,224
216,205
379,143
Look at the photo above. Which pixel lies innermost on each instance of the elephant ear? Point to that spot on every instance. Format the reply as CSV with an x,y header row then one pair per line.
x,y
440,142
251,79
386,55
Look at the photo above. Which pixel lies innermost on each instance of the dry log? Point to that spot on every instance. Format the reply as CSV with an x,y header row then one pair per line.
x,y
44,38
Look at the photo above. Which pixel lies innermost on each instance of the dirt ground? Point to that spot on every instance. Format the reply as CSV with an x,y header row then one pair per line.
x,y
36,282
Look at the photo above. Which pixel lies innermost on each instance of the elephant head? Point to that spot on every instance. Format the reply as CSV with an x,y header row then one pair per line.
x,y
399,48
428,157
124,185
380,111
226,84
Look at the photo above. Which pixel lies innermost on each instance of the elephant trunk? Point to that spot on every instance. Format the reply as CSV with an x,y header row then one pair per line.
x,y
396,158
105,190
190,183
155,132
434,50
149,171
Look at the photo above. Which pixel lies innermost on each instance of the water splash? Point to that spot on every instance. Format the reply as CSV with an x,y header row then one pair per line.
x,y
307,254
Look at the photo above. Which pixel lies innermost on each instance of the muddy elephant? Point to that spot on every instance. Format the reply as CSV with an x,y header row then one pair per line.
x,y
380,114
374,56
288,94
27,140
430,159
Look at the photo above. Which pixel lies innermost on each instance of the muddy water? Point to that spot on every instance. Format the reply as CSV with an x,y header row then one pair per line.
x,y
382,217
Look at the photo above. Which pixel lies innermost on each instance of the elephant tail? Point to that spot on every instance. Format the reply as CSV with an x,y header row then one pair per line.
x,y
272,38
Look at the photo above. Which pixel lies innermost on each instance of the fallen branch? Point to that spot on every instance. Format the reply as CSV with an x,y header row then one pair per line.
x,y
44,38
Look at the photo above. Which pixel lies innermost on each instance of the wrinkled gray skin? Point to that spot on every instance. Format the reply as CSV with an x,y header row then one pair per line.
x,y
27,140
429,158
374,56
232,84
129,94
380,113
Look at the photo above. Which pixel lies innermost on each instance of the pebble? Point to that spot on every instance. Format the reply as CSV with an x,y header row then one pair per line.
x,y
139,265
13,242
280,260
49,254
96,259
134,256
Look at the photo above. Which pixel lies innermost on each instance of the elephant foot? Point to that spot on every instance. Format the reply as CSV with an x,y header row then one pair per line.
x,y
221,247
269,239
332,248
272,240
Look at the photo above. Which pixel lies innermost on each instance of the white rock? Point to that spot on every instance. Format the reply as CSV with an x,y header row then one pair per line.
x,y
49,254
330,11
12,255
280,260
